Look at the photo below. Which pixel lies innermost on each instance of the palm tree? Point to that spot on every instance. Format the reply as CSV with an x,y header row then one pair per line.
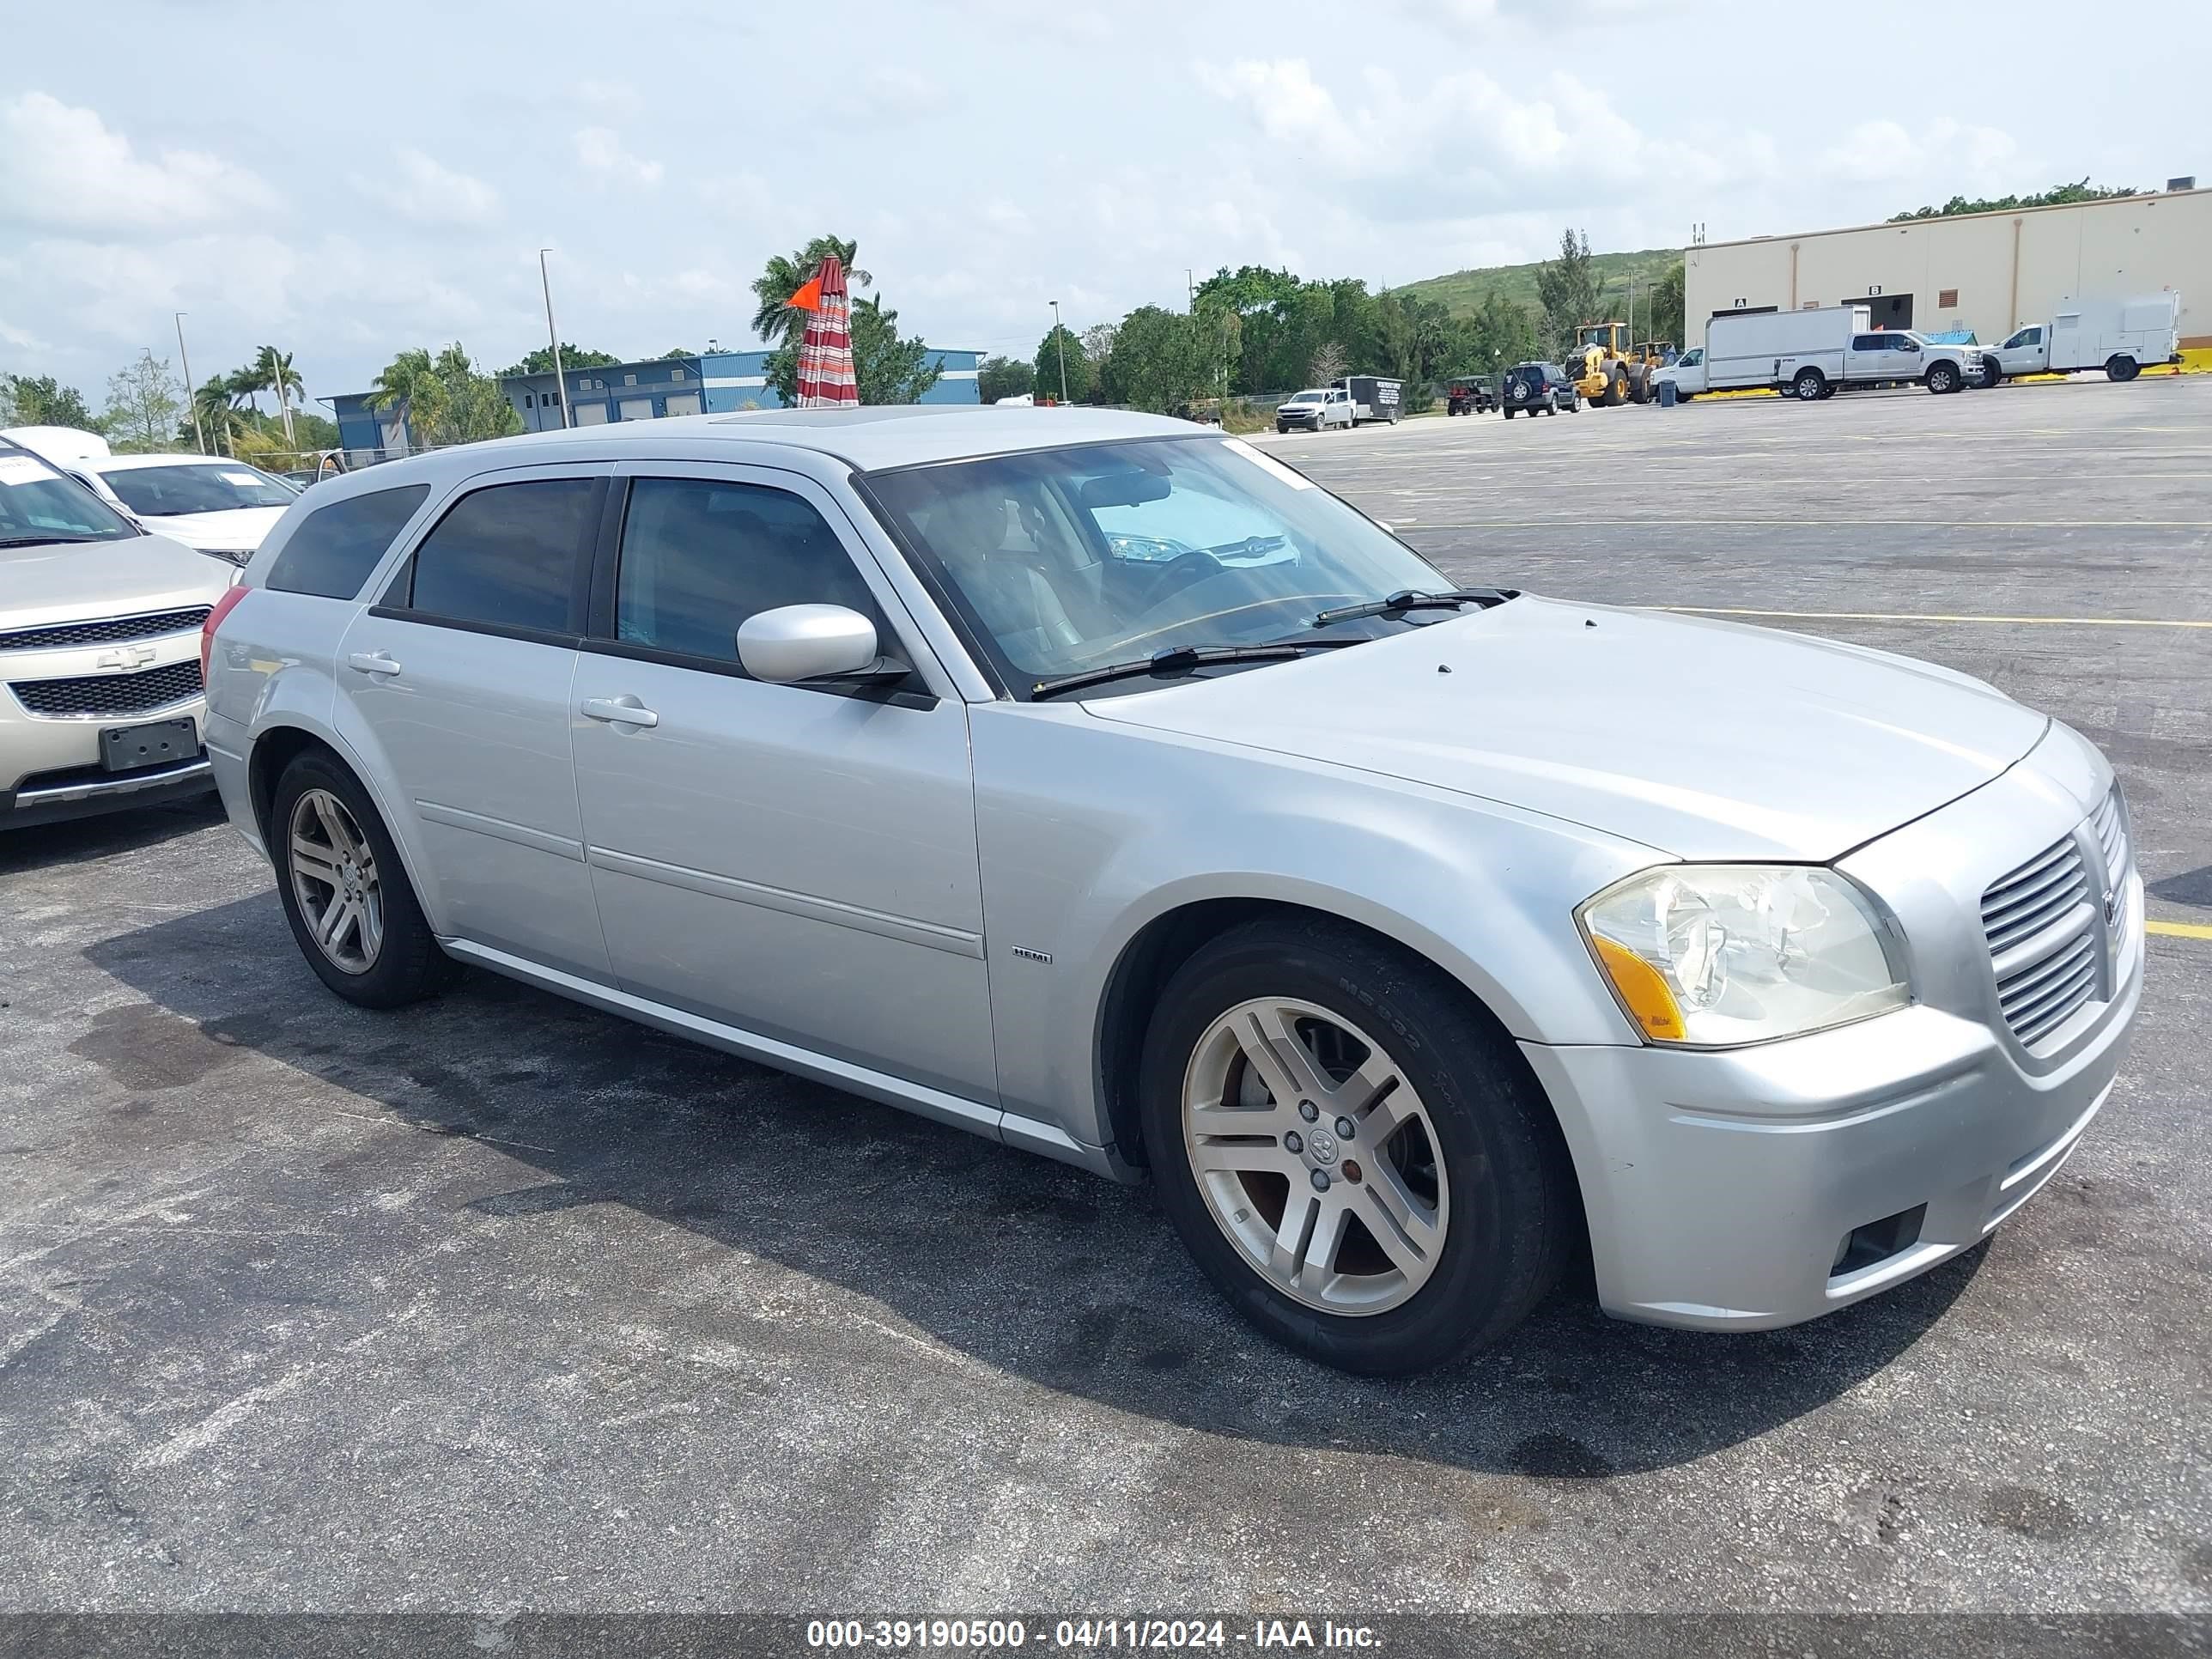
x,y
409,386
214,404
272,369
774,319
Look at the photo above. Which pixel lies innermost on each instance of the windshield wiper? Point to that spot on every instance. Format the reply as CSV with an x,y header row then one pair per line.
x,y
1408,599
1176,658
42,541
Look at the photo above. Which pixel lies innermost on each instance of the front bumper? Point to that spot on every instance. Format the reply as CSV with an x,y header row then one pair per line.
x,y
50,764
1738,1189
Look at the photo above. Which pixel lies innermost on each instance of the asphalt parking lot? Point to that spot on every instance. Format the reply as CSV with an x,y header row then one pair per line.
x,y
497,1303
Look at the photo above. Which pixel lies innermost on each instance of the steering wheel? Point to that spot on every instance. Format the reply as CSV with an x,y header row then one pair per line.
x,y
1182,571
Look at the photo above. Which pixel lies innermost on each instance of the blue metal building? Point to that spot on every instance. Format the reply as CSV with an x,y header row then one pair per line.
x,y
711,383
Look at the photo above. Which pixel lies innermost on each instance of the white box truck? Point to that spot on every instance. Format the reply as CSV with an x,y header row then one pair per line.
x,y
1814,352
2118,336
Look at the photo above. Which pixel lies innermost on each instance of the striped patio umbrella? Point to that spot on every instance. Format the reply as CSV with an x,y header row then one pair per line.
x,y
825,353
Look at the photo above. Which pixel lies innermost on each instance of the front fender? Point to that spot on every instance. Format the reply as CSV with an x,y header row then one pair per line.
x,y
1090,832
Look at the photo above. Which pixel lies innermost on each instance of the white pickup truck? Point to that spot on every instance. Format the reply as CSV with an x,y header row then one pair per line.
x,y
1811,354
2118,336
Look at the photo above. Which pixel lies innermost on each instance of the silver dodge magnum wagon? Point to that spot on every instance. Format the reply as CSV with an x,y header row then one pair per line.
x,y
1099,784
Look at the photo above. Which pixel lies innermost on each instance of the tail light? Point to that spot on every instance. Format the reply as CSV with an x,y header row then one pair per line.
x,y
223,607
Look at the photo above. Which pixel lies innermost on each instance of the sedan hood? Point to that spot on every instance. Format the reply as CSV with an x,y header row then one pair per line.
x,y
79,581
240,527
1703,739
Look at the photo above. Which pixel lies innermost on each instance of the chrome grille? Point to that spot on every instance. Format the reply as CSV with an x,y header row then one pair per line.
x,y
2110,823
2041,980
110,693
2022,903
106,631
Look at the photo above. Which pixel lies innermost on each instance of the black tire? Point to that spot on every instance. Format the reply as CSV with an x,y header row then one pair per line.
x,y
1991,377
1513,1219
1943,377
2122,368
1616,390
1508,412
410,965
1551,407
1808,386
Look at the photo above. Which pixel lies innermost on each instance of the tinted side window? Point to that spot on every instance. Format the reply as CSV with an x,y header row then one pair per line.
x,y
506,555
335,548
700,555
1869,343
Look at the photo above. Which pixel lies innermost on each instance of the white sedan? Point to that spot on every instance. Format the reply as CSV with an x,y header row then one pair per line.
x,y
217,506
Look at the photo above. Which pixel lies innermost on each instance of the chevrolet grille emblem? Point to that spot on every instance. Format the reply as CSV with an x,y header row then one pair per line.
x,y
129,656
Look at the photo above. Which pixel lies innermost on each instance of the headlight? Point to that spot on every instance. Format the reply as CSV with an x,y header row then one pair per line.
x,y
238,556
1714,955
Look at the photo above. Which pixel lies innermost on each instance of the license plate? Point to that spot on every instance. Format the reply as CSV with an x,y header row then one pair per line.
x,y
157,743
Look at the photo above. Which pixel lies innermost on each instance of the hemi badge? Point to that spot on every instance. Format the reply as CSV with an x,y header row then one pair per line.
x,y
1028,955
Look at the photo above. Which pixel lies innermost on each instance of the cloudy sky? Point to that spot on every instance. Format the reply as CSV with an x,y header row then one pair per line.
x,y
345,181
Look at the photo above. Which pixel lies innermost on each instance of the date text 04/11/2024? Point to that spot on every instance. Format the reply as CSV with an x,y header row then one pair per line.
x,y
1264,1634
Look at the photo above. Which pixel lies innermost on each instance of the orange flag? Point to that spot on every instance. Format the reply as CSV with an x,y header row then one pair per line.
x,y
808,298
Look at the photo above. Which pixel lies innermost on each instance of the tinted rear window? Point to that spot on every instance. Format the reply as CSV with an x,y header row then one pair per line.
x,y
335,548
507,555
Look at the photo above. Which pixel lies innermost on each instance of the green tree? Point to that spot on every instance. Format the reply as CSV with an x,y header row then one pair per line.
x,y
143,402
217,407
2057,196
272,371
1568,287
1667,303
774,319
444,399
540,361
1004,377
674,352
1160,360
1082,371
41,400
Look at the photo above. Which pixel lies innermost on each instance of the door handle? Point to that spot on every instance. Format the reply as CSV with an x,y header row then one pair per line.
x,y
371,662
619,711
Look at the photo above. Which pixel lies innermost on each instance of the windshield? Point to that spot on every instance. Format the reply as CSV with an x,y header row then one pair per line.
x,y
1067,559
37,504
165,491
1317,396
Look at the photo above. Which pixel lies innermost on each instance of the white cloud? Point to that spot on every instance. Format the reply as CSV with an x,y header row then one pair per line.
x,y
615,97
1884,151
418,186
600,150
63,165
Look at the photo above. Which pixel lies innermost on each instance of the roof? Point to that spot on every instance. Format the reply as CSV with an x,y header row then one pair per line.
x,y
2137,200
125,463
868,439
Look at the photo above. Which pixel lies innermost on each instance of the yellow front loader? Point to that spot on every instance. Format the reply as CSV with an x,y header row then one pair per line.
x,y
1607,370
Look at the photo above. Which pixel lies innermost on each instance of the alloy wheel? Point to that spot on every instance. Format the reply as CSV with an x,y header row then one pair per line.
x,y
1315,1156
334,881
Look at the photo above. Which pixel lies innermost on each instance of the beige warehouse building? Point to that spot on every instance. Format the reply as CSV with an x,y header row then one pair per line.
x,y
1991,272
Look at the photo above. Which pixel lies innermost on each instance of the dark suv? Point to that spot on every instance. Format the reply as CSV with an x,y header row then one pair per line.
x,y
1532,386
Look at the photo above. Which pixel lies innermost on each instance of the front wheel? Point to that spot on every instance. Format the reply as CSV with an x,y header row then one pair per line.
x,y
1508,414
1991,376
1943,377
1808,385
2121,369
1356,1159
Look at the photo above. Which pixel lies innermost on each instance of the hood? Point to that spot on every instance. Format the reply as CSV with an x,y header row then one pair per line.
x,y
76,581
240,527
1703,739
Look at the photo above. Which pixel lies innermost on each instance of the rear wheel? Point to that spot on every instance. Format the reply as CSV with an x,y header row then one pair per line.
x,y
1358,1163
1809,386
345,893
2121,369
1508,414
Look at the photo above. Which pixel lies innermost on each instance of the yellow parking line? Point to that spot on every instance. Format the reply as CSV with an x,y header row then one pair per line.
x,y
2179,929
1927,617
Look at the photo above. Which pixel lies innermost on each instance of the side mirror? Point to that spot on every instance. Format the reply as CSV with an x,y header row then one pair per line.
x,y
795,642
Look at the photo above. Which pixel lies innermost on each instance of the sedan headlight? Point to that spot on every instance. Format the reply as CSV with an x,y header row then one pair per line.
x,y
238,556
1717,955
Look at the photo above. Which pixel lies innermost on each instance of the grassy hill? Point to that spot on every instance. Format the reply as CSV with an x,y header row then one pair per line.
x,y
1462,290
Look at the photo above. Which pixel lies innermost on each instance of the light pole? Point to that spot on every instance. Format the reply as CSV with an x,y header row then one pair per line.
x,y
553,338
1060,343
191,399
